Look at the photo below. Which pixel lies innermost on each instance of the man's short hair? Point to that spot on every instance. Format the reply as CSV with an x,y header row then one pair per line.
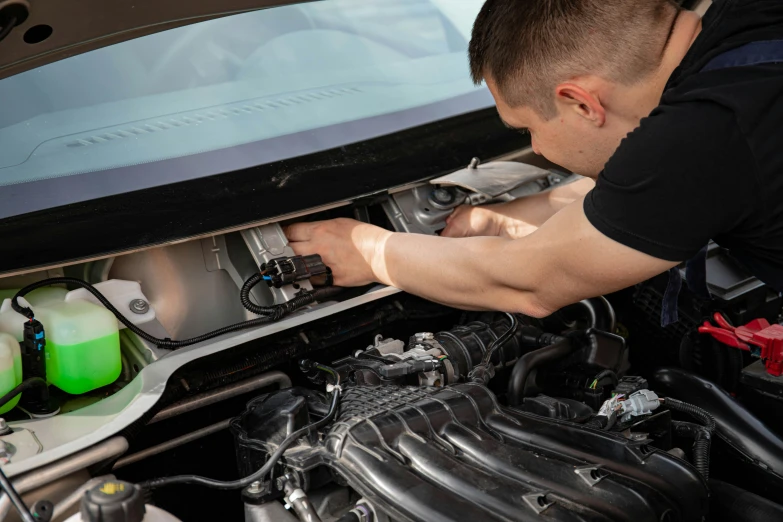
x,y
528,46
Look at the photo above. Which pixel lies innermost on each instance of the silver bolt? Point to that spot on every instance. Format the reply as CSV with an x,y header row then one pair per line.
x,y
139,306
474,163
3,425
424,336
442,196
254,488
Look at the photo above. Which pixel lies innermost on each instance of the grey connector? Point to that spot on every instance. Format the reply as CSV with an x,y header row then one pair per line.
x,y
642,402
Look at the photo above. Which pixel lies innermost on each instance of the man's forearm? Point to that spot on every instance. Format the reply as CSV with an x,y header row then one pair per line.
x,y
566,260
537,209
469,273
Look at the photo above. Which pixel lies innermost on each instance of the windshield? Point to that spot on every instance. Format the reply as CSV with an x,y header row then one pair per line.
x,y
231,93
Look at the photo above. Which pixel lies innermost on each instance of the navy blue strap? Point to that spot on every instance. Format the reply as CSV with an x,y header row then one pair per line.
x,y
695,277
669,313
754,53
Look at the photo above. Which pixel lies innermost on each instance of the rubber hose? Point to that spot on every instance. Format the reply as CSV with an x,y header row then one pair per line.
x,y
502,340
605,320
349,517
607,373
25,385
530,361
728,503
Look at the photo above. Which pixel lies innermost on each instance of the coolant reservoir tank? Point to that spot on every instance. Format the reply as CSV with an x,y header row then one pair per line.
x,y
12,322
82,345
10,368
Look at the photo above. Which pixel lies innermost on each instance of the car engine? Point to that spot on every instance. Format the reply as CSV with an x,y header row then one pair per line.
x,y
418,435
245,386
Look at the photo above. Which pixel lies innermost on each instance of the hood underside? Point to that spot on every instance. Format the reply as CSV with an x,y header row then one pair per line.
x,y
49,30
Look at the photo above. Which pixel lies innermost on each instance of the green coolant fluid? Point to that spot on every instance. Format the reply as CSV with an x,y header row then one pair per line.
x,y
10,368
82,345
79,368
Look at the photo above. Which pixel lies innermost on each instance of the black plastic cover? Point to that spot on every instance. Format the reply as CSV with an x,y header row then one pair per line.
x,y
454,454
563,409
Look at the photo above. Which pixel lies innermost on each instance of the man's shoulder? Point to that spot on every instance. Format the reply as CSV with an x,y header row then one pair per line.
x,y
676,135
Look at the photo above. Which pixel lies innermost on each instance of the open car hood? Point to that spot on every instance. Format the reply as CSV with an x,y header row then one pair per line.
x,y
85,25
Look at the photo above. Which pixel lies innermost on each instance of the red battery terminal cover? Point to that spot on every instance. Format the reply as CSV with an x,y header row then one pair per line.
x,y
758,337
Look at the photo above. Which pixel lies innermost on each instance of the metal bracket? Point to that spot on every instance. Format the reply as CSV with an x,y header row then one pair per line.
x,y
412,212
424,209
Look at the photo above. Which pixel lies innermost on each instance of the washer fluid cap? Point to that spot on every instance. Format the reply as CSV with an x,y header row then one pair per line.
x,y
113,501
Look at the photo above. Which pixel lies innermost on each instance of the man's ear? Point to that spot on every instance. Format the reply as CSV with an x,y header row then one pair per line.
x,y
579,101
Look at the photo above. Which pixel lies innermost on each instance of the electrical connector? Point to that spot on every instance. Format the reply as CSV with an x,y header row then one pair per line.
x,y
289,270
34,349
36,400
642,402
629,385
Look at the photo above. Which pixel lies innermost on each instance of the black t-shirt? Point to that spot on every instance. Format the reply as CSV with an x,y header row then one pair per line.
x,y
708,161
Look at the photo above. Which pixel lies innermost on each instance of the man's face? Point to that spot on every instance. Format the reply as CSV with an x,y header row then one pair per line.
x,y
568,139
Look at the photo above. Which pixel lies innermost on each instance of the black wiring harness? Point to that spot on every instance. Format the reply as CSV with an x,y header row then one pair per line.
x,y
701,433
273,458
269,314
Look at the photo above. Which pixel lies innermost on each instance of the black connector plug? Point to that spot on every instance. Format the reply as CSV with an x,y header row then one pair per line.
x,y
36,400
34,349
289,270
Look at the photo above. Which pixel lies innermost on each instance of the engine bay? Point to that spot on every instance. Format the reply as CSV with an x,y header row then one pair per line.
x,y
226,366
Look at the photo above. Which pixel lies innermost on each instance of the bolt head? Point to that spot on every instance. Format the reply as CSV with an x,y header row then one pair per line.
x,y
139,306
442,196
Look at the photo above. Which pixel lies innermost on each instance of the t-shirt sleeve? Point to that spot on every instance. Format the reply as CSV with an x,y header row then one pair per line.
x,y
683,177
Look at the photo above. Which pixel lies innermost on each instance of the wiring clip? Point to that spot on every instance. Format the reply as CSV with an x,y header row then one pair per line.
x,y
288,270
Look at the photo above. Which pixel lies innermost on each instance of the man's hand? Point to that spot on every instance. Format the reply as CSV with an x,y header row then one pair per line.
x,y
515,219
490,220
352,249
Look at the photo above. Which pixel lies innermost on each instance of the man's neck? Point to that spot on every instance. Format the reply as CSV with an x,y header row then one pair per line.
x,y
687,27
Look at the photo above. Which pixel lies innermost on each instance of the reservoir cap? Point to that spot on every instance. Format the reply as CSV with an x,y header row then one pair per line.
x,y
113,501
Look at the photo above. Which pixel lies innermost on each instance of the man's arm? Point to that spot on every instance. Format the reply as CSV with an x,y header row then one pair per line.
x,y
517,218
566,260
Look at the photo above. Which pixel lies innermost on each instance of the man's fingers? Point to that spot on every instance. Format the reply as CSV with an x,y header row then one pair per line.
x,y
299,231
452,230
455,213
299,247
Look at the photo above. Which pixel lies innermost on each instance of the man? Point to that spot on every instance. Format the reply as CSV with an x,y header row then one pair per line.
x,y
685,146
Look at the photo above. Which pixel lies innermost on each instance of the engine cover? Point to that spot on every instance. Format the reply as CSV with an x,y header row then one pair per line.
x,y
454,454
